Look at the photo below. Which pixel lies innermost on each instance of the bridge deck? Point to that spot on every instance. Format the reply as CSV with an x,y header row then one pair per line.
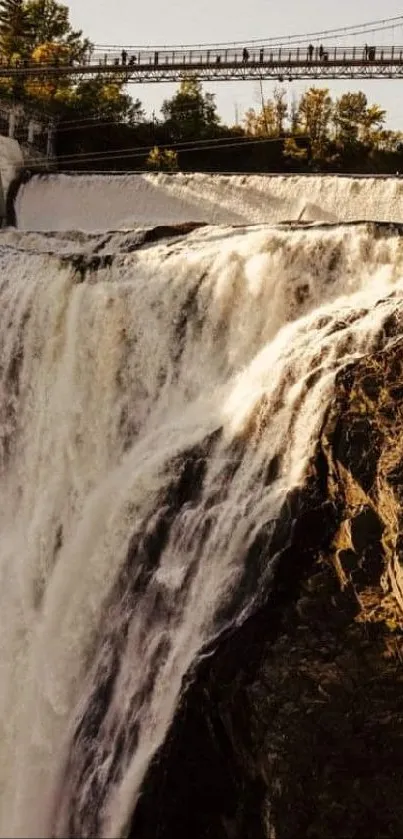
x,y
145,66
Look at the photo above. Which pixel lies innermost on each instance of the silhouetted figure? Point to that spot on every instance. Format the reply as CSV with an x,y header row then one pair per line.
x,y
245,55
366,52
156,57
321,51
261,54
218,59
310,51
124,57
132,60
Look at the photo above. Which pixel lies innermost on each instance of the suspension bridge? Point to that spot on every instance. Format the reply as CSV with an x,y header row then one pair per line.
x,y
223,64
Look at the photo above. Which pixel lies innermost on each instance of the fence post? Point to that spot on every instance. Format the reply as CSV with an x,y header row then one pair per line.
x,y
50,145
11,123
31,132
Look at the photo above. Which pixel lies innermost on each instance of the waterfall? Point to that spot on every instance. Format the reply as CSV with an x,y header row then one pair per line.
x,y
159,400
97,202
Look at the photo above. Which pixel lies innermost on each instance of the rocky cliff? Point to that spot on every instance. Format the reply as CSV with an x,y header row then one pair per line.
x,y
293,726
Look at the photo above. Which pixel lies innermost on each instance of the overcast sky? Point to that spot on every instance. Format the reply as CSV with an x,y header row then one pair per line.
x,y
187,22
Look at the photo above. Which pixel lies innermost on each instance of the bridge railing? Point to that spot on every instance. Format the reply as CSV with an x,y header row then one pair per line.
x,y
252,56
255,56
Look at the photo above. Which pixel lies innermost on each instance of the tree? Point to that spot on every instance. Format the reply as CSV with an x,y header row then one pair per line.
x,y
261,123
348,117
294,115
374,119
293,151
48,23
191,114
52,88
162,160
280,109
104,97
356,121
315,111
14,28
40,31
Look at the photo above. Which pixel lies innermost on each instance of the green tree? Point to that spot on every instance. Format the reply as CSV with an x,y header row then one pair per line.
x,y
191,114
40,31
349,111
374,119
14,28
105,98
315,111
356,121
48,22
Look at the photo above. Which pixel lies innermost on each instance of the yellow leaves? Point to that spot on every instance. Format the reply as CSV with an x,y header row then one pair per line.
x,y
260,124
190,86
51,53
268,122
49,89
44,90
109,92
293,150
6,85
162,159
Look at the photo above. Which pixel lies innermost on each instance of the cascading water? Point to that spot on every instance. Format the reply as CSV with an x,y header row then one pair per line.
x,y
102,202
158,402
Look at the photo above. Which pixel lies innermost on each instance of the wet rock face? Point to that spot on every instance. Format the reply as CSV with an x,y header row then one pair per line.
x,y
294,727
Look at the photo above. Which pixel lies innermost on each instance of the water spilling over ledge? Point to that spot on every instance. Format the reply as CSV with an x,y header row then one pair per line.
x,y
99,202
200,517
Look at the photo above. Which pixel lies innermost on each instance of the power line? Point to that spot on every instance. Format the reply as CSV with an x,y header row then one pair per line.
x,y
100,119
137,152
383,23
184,146
73,125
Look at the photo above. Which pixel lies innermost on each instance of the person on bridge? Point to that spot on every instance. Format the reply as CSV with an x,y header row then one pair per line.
x,y
310,51
156,58
261,54
245,55
124,57
321,51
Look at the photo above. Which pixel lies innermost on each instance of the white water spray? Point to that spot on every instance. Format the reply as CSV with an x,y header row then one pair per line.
x,y
143,402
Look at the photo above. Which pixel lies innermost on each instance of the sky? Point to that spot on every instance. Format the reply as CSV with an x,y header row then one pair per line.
x,y
125,22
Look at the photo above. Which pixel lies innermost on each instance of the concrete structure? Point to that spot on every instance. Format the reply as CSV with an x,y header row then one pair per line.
x,y
33,130
11,162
